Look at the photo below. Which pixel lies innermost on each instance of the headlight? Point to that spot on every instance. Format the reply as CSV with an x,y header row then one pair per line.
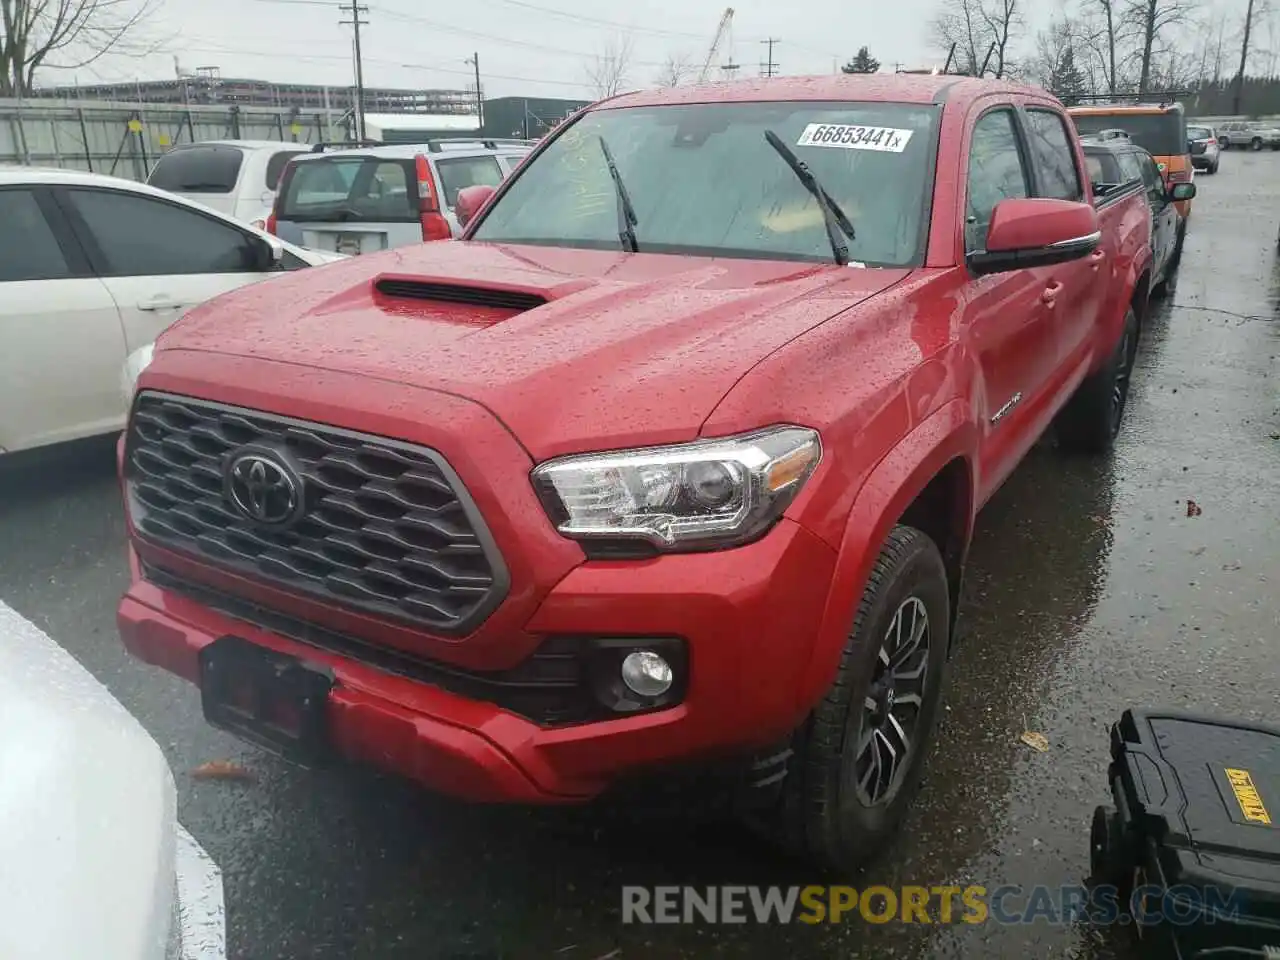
x,y
710,493
138,361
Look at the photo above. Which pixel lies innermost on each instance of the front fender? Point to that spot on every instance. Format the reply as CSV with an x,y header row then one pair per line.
x,y
948,434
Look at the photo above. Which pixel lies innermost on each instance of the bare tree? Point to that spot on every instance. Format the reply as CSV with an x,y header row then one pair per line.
x,y
1112,25
607,74
676,69
978,28
63,34
1153,20
1001,18
959,23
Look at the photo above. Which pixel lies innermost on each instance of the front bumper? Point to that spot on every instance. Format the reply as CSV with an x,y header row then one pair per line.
x,y
749,617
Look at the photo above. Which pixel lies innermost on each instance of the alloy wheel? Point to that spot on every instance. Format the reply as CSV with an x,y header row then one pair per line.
x,y
893,704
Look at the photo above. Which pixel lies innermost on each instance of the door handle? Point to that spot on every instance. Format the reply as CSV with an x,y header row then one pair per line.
x,y
159,302
1050,295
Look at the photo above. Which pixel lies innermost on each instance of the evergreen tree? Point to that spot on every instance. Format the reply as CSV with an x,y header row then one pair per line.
x,y
862,62
1067,83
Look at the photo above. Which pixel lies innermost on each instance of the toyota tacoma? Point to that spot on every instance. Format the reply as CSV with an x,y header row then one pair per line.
x,y
671,461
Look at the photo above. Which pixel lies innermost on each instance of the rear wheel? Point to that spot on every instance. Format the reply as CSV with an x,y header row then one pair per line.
x,y
1091,419
1256,143
1214,168
858,759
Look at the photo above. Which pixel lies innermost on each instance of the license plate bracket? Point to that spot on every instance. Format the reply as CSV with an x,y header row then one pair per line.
x,y
274,700
350,244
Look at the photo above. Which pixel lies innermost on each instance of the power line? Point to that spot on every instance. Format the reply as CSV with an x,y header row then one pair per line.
x,y
769,68
278,55
476,34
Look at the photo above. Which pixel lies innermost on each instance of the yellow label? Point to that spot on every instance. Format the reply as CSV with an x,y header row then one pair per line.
x,y
135,126
1247,796
164,139
295,128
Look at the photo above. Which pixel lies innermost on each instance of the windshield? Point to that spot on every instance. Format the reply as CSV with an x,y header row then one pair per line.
x,y
345,189
1160,134
704,181
204,169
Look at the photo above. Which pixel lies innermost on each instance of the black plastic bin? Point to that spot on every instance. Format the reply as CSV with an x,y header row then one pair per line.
x,y
1191,850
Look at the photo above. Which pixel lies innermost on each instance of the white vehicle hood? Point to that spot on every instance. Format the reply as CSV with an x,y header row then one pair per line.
x,y
95,864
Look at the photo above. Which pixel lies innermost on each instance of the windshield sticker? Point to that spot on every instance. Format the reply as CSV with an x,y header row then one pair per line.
x,y
850,136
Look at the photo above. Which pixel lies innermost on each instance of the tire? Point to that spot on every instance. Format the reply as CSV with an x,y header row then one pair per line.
x,y
1224,143
826,814
1214,168
1091,419
1255,143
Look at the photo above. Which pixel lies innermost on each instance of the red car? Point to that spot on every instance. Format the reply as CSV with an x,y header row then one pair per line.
x,y
672,460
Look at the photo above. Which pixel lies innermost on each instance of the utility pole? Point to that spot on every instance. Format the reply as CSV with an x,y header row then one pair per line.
x,y
1244,61
355,9
474,60
768,68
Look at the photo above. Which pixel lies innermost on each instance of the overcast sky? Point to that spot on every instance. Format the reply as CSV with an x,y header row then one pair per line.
x,y
532,47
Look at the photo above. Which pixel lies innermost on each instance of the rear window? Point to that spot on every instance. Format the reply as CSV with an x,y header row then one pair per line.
x,y
200,169
275,166
1199,133
1160,134
460,172
345,189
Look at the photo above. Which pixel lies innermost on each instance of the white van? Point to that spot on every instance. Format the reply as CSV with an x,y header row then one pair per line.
x,y
235,177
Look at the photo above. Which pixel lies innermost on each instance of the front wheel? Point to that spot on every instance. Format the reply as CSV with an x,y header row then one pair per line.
x,y
1091,419
1255,143
858,759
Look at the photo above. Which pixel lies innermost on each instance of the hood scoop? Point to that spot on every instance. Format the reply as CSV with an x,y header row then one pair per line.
x,y
495,298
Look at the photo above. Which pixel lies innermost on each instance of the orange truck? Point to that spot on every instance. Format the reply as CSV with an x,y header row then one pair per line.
x,y
1160,128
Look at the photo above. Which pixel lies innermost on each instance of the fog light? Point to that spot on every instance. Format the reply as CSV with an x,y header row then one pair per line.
x,y
646,673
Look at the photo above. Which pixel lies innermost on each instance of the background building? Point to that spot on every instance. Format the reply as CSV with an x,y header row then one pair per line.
x,y
526,117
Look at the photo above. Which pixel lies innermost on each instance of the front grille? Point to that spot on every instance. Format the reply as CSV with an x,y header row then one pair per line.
x,y
550,687
385,528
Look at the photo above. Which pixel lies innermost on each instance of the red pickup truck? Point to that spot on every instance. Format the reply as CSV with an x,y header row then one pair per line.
x,y
672,460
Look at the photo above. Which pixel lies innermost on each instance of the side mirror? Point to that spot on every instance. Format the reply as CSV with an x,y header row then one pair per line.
x,y
268,252
1182,191
1035,232
470,201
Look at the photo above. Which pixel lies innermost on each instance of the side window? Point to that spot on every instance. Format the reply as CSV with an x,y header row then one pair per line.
x,y
1052,147
28,248
1130,168
1156,192
462,172
138,236
276,165
996,173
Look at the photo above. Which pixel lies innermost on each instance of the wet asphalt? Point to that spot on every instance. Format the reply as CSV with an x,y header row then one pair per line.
x,y
1090,590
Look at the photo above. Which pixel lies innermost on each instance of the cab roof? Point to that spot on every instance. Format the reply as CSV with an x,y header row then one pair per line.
x,y
875,87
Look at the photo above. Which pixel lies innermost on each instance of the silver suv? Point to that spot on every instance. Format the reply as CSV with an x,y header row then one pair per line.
x,y
1252,135
356,199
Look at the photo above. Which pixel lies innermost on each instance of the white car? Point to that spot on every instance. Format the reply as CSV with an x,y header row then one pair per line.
x,y
96,864
235,177
91,270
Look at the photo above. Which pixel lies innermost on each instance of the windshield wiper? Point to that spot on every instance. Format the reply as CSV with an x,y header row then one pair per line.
x,y
834,218
627,220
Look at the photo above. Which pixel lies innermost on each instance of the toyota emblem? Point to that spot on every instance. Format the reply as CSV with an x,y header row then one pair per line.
x,y
264,488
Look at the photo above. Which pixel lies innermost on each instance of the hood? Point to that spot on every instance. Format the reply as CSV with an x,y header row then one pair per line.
x,y
571,349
